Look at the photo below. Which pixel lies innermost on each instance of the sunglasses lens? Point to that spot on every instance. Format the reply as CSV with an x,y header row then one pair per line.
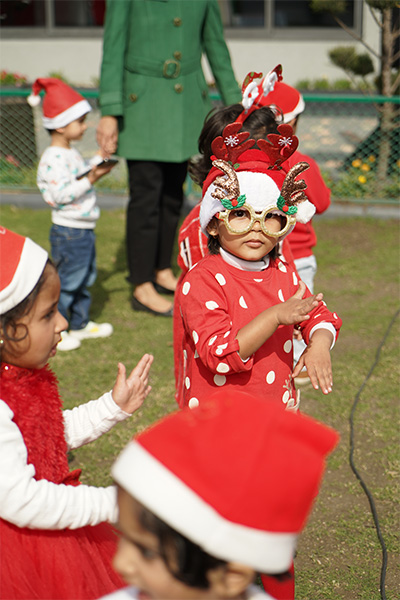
x,y
239,219
274,223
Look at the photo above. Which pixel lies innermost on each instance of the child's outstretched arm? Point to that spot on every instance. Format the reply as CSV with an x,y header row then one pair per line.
x,y
129,393
317,358
295,310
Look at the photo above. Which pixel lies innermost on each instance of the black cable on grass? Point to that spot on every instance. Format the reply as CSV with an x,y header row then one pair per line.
x,y
354,469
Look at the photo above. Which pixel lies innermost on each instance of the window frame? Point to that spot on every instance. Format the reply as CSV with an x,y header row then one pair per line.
x,y
267,33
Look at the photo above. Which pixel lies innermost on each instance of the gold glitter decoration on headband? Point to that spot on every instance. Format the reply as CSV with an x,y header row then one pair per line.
x,y
227,185
292,189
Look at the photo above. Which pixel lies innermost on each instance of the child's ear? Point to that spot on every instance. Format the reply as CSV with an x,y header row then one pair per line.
x,y
231,580
212,227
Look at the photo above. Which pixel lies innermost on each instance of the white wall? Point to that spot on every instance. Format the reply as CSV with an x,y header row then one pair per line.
x,y
79,60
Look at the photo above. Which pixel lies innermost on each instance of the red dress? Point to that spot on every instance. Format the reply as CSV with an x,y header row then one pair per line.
x,y
50,564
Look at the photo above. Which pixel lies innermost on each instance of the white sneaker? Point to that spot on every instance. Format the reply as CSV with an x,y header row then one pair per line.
x,y
68,342
92,330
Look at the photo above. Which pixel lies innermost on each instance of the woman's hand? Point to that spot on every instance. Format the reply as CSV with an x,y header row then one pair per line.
x,y
107,135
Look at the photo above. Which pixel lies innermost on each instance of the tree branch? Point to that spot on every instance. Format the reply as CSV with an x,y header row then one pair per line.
x,y
394,85
375,18
356,37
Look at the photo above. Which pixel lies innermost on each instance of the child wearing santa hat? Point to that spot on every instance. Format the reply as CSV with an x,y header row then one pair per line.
x,y
194,527
69,191
239,305
56,541
302,240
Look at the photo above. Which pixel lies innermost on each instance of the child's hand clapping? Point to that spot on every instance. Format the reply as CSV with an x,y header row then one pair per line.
x,y
317,359
296,309
129,393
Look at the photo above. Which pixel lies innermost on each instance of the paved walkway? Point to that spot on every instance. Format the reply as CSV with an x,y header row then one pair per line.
x,y
108,202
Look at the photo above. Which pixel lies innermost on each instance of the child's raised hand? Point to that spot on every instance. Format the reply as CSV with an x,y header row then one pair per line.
x,y
317,359
130,392
296,309
99,171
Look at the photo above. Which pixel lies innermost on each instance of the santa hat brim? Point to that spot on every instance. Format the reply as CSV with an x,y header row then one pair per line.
x,y
30,267
167,496
76,111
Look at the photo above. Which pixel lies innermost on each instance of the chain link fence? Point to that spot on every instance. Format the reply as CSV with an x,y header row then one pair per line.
x,y
354,139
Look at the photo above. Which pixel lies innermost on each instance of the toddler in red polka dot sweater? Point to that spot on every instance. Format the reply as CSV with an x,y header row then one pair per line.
x,y
240,304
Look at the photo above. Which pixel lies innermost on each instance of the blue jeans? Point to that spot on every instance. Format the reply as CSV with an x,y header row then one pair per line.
x,y
74,254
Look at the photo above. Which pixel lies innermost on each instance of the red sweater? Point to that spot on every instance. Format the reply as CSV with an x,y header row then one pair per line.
x,y
303,238
214,301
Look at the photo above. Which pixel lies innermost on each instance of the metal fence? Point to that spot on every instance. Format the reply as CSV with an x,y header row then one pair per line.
x,y
357,149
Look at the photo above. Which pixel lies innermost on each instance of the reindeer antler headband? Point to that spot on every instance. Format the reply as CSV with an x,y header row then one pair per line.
x,y
244,173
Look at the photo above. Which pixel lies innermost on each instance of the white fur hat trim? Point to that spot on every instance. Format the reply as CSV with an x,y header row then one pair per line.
x,y
261,192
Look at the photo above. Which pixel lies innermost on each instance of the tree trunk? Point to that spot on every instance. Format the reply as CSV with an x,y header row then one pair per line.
x,y
387,110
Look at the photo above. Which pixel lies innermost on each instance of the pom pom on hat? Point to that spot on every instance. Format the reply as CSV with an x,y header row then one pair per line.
x,y
181,470
22,263
61,104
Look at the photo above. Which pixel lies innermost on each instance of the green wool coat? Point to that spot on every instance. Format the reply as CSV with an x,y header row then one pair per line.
x,y
151,75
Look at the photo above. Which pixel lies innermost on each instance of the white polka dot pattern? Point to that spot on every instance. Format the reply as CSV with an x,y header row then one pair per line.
x,y
219,380
195,336
242,302
282,267
212,340
222,368
221,348
270,378
193,402
211,305
287,346
187,383
220,278
186,288
280,296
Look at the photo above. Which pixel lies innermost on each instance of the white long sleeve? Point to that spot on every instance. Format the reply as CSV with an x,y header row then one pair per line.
x,y
87,422
73,200
26,502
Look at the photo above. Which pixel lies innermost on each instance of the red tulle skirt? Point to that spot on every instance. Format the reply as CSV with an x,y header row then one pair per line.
x,y
52,565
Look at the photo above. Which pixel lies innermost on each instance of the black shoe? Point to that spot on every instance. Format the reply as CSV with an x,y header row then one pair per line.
x,y
162,290
136,305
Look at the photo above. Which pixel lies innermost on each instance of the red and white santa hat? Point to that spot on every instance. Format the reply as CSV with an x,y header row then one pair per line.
x,y
22,262
61,104
287,99
241,170
236,475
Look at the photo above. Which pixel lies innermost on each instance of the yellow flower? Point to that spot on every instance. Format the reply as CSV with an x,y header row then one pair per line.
x,y
371,158
365,168
356,163
362,179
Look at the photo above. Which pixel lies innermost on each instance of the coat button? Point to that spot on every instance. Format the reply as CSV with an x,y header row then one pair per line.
x,y
178,55
177,21
133,97
178,88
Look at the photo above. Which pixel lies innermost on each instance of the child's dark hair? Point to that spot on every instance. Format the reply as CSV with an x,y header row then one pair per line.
x,y
259,123
184,559
9,320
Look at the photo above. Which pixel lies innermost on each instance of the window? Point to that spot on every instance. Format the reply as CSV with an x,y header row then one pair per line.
x,y
241,18
52,13
274,18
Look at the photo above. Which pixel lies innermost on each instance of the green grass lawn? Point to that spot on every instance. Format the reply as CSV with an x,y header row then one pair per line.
x,y
339,556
